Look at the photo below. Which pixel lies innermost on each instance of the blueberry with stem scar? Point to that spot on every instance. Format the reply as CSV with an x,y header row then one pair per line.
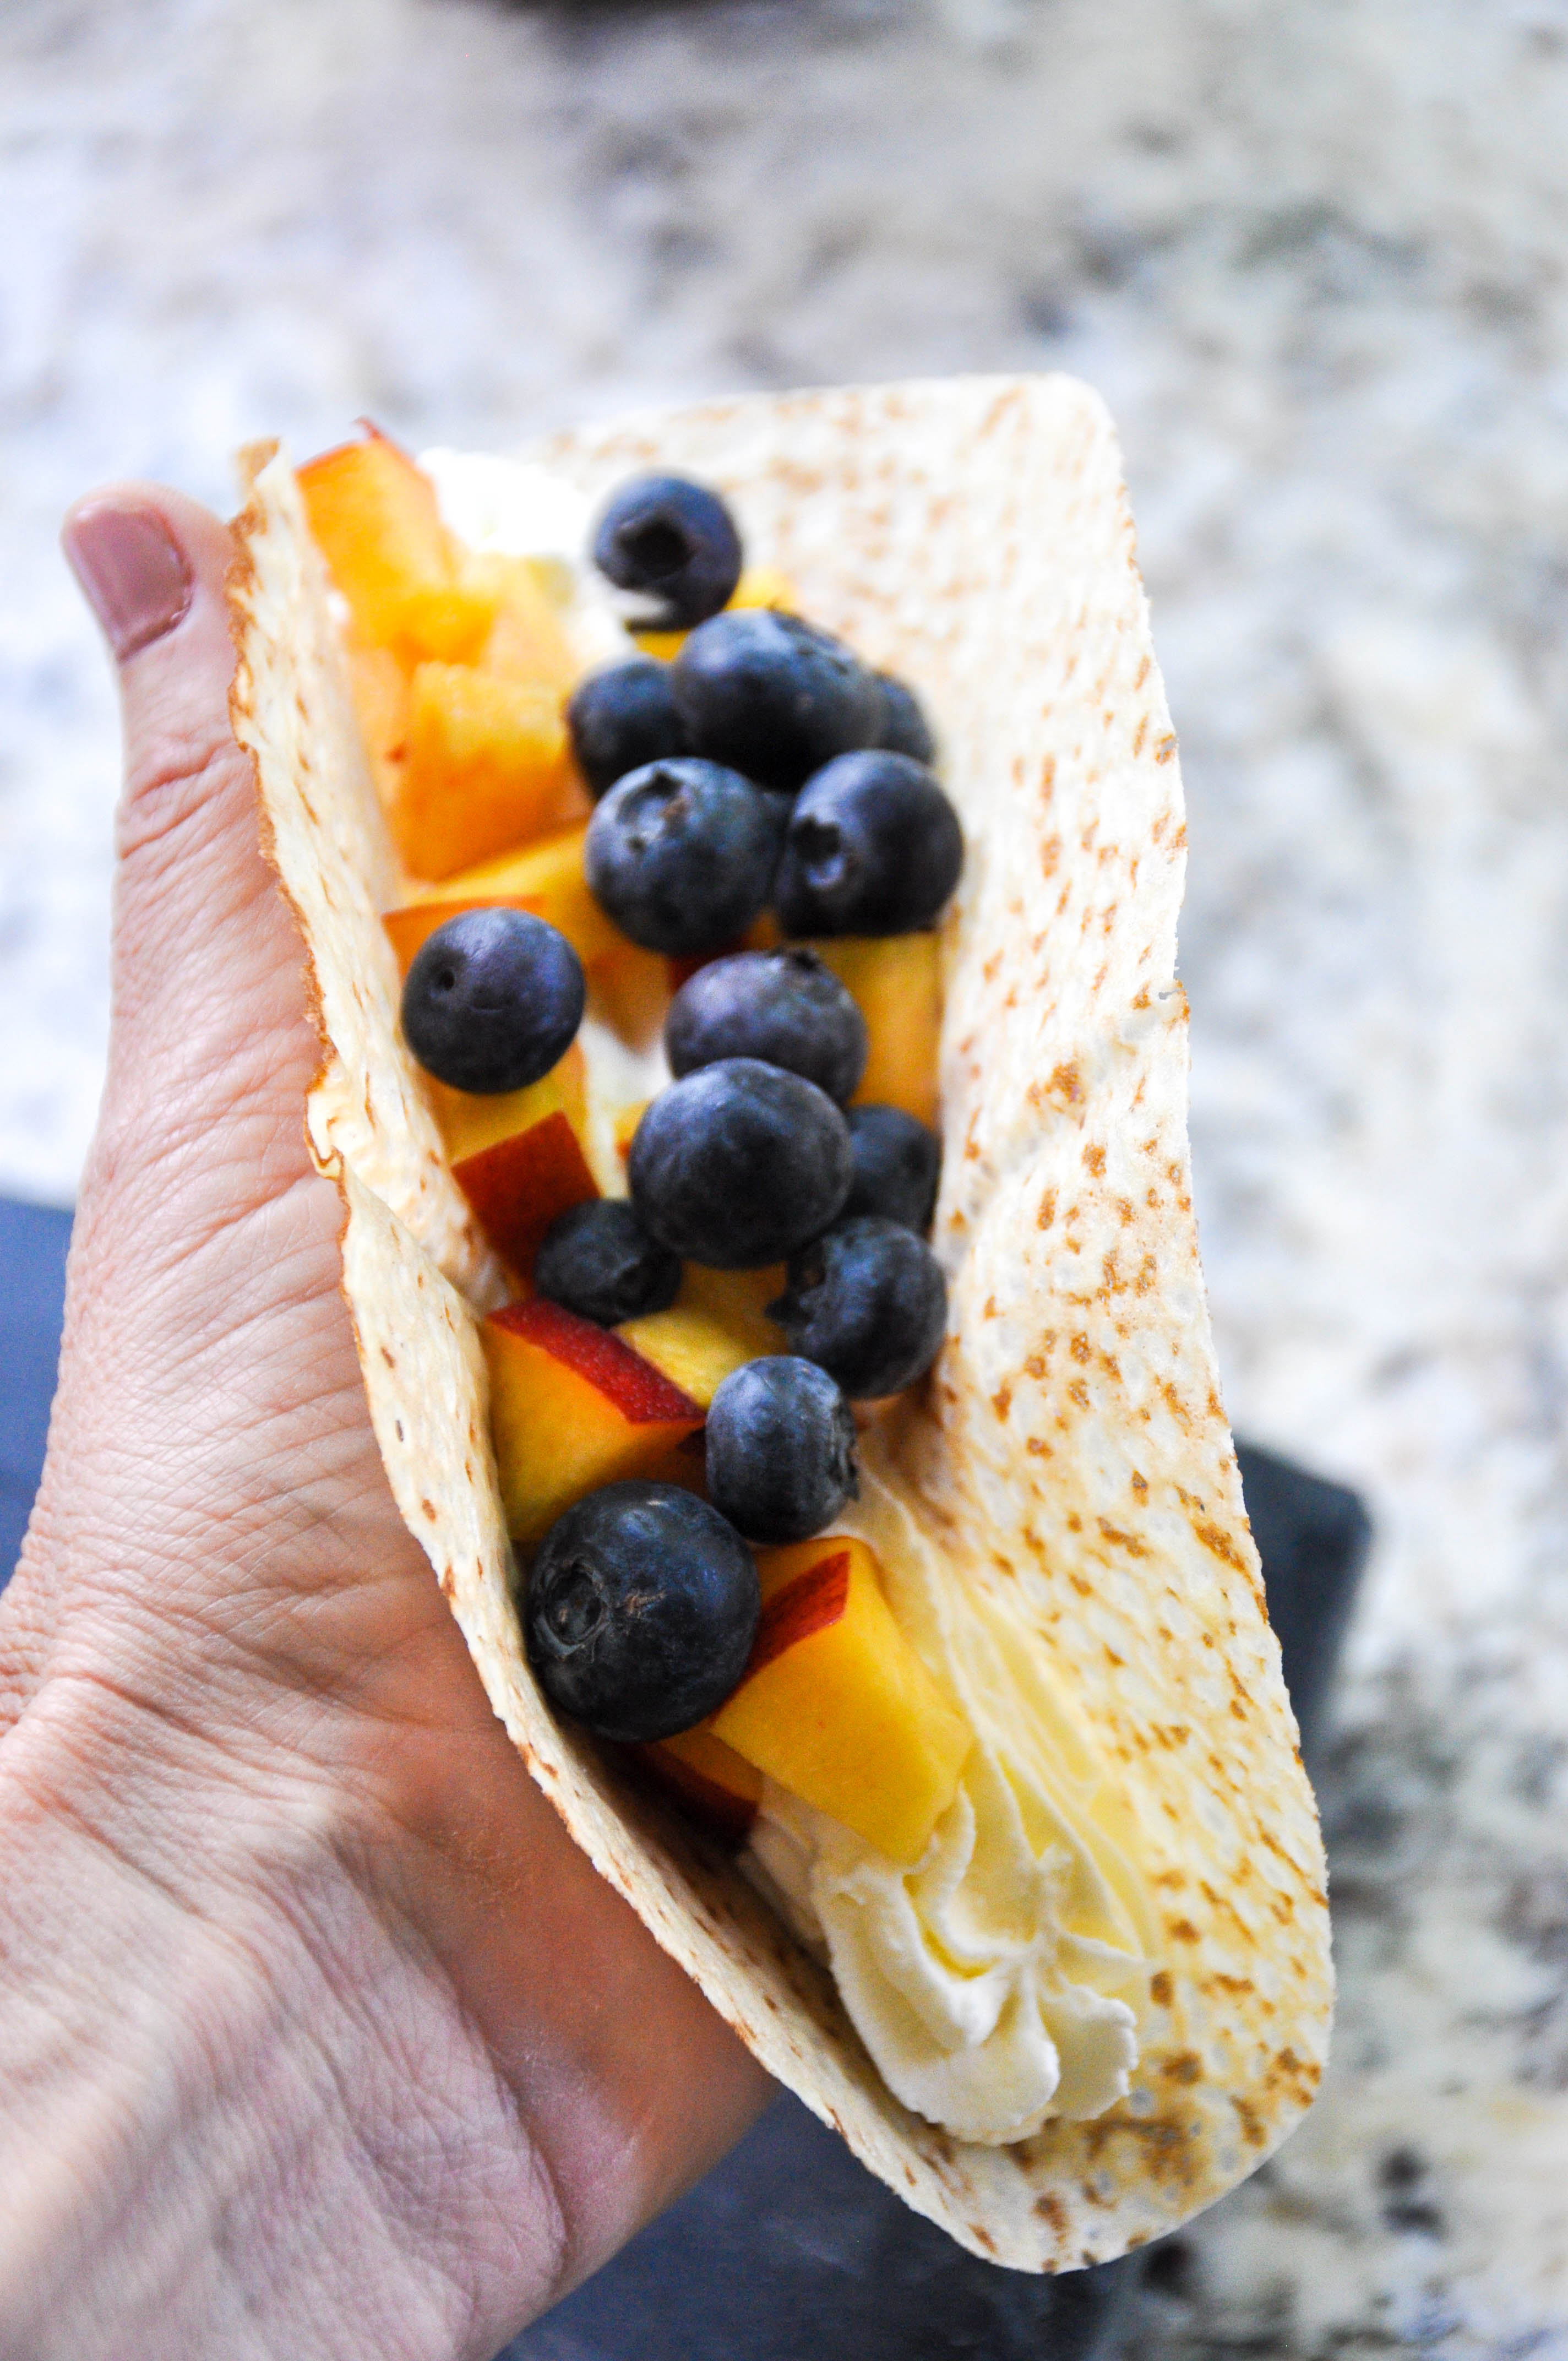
x,y
873,847
674,540
642,1606
681,855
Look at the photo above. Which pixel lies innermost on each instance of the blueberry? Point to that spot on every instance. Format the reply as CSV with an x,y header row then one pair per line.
x,y
493,1000
773,695
898,1162
869,1302
599,1261
783,1007
622,718
873,847
781,1449
682,855
905,728
740,1164
640,1610
675,540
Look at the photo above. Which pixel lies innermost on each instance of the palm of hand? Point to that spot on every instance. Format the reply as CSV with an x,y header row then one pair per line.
x,y
478,2057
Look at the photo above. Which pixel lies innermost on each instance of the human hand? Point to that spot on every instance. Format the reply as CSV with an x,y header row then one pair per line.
x,y
318,2036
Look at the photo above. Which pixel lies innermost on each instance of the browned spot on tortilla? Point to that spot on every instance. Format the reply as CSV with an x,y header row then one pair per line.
x,y
1048,1212
1080,1348
388,1358
1094,1157
1182,1930
1119,1539
1160,1988
1252,2130
430,1510
1215,1538
1067,1083
1140,1483
1184,2066
1002,1401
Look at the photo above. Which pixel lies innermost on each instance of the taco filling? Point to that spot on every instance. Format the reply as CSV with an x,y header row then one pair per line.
x,y
662,1140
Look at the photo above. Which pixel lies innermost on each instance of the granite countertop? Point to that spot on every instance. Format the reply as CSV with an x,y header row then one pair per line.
x,y
1314,256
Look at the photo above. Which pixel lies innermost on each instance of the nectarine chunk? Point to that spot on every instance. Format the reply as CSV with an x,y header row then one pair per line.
x,y
546,878
527,640
519,1186
488,769
836,1705
714,1327
717,1785
573,1408
376,520
897,982
472,1120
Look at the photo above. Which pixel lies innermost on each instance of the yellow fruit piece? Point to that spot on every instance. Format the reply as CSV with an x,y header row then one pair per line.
x,y
449,625
715,1326
470,1121
573,1408
760,586
545,878
897,982
526,640
764,585
382,701
375,519
710,1780
737,1299
836,1706
631,994
624,1129
488,769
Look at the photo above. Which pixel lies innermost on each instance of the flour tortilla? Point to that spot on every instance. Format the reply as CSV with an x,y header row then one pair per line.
x,y
1072,1457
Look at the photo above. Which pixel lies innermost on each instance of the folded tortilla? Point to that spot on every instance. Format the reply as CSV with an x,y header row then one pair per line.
x,y
1068,1465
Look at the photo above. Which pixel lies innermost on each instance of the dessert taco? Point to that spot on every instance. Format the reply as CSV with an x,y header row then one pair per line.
x,y
1088,1989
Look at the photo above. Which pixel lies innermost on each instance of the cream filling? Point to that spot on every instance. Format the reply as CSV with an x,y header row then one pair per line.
x,y
997,1983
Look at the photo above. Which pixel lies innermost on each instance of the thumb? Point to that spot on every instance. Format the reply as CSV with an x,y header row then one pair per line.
x,y
209,1014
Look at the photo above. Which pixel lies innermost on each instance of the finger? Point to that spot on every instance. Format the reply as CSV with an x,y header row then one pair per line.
x,y
208,999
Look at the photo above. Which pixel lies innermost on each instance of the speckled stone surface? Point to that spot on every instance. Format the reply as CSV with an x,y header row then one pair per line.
x,y
1314,256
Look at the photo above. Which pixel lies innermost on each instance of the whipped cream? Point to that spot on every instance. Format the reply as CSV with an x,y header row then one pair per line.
x,y
516,507
997,1983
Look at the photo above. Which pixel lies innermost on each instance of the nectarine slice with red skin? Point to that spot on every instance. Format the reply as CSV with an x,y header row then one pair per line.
x,y
572,1407
836,1706
521,1185
717,1785
471,1120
